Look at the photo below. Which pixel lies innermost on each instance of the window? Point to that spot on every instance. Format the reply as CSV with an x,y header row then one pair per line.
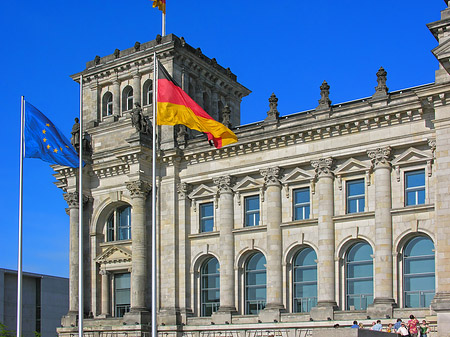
x,y
301,204
415,187
418,273
305,280
207,217
355,196
121,294
255,284
148,92
107,104
251,211
127,98
210,287
118,226
359,276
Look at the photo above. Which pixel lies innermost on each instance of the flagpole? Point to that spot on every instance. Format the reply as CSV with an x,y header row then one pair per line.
x,y
155,102
163,24
80,219
19,256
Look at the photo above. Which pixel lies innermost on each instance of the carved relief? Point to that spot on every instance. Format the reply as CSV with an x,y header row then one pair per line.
x,y
138,188
380,156
323,167
183,190
271,175
223,184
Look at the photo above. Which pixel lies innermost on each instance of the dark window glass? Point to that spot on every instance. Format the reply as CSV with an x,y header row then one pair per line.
x,y
355,196
301,204
210,287
251,210
121,294
415,187
207,217
118,225
255,284
359,276
418,273
305,280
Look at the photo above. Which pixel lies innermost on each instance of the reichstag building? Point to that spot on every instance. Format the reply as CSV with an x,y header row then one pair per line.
x,y
312,219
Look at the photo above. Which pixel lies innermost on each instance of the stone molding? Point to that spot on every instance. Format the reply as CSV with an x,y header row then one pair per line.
x,y
183,190
223,184
380,157
72,199
138,188
271,175
323,167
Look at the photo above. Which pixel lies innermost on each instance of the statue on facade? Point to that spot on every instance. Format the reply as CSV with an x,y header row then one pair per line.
x,y
75,139
381,88
139,121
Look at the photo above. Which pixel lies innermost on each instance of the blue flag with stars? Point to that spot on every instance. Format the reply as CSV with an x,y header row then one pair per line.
x,y
44,141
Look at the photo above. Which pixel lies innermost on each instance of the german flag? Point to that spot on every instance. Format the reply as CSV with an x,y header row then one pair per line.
x,y
161,4
176,107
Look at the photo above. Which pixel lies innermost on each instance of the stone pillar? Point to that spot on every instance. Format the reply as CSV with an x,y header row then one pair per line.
x,y
72,200
274,247
383,275
137,89
106,302
326,266
225,224
116,97
138,191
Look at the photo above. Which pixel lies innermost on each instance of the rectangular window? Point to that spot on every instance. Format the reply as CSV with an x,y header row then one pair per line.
x,y
355,196
122,287
207,217
415,187
301,204
251,205
109,108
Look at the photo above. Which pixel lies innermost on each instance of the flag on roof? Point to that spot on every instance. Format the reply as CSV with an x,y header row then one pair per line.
x,y
161,4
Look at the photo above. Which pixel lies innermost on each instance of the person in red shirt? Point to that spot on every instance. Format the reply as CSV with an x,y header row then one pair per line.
x,y
413,326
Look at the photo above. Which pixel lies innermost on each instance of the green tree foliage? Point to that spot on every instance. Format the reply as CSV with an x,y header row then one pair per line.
x,y
4,332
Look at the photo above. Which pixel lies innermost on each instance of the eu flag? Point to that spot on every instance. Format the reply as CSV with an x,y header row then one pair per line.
x,y
43,140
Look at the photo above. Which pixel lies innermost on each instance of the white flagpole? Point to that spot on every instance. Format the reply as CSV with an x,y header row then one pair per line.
x,y
155,102
163,24
19,256
80,220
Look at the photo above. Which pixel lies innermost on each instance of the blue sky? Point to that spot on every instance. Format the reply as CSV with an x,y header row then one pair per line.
x,y
287,47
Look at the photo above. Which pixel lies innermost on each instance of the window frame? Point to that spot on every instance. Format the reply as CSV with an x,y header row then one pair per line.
x,y
148,92
203,219
122,306
127,98
107,104
260,304
357,197
415,189
114,226
311,301
214,305
251,212
303,205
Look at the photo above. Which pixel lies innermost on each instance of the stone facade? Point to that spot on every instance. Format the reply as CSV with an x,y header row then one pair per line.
x,y
375,142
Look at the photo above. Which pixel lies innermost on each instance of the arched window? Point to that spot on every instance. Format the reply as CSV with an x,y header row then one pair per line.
x,y
210,287
359,276
107,104
127,98
305,280
118,225
418,273
148,92
255,284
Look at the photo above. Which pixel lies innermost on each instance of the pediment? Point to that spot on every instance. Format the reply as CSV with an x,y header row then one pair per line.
x,y
114,254
411,155
202,191
247,183
442,51
297,175
350,166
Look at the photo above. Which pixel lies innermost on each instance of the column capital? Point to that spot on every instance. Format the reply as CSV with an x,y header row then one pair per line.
x,y
72,199
224,184
323,167
380,157
104,272
271,175
183,189
138,188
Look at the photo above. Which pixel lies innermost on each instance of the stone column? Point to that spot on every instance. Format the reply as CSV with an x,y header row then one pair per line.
x,y
225,224
274,247
138,191
72,200
116,97
137,88
326,266
106,302
383,294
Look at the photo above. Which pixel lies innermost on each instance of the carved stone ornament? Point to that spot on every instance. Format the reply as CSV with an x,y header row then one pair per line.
x,y
432,145
324,101
138,188
103,272
272,114
117,53
226,116
271,175
381,88
97,59
139,121
223,184
380,156
72,199
183,189
323,167
137,46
